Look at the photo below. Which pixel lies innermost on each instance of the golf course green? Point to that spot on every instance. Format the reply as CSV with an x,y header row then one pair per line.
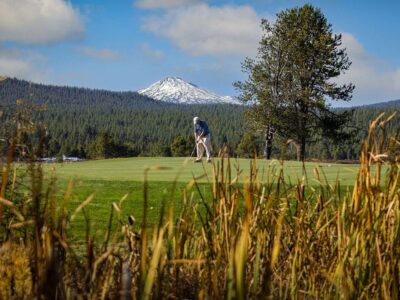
x,y
110,180
166,169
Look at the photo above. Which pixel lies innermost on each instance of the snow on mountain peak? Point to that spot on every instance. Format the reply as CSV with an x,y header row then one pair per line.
x,y
176,90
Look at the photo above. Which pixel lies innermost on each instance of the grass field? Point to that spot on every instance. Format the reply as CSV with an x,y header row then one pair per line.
x,y
318,231
112,179
132,169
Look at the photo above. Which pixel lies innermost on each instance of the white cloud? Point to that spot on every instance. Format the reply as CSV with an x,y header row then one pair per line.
x,y
103,54
22,64
203,29
152,53
39,21
375,80
165,4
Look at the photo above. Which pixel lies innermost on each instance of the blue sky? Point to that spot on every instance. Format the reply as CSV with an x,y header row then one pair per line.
x,y
129,44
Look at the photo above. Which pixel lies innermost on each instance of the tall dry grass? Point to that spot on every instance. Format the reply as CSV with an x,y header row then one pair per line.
x,y
262,239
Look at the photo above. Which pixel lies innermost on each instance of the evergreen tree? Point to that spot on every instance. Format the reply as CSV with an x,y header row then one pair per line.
x,y
180,147
248,146
291,79
103,146
75,119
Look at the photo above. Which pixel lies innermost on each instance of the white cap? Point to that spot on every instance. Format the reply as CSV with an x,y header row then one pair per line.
x,y
195,120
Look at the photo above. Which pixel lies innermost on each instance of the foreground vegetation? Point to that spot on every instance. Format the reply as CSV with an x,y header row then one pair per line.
x,y
285,243
112,179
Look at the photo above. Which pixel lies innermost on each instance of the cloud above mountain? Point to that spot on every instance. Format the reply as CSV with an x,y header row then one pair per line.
x,y
164,4
375,79
103,54
202,29
39,21
22,64
152,53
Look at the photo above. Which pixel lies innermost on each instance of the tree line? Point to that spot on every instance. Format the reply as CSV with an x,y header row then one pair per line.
x,y
102,124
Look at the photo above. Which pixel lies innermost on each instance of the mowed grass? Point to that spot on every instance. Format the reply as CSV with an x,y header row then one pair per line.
x,y
132,169
112,179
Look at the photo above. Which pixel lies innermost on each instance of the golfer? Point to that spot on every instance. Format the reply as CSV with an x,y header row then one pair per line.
x,y
202,138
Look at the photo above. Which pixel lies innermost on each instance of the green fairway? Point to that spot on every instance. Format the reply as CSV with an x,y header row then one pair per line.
x,y
132,169
111,179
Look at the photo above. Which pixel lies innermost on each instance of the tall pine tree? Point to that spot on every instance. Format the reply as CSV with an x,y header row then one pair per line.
x,y
291,79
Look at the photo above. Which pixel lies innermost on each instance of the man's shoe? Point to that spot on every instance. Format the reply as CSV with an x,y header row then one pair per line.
x,y
209,160
197,160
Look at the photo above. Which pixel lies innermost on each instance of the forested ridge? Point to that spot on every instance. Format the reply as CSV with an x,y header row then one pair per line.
x,y
98,123
82,121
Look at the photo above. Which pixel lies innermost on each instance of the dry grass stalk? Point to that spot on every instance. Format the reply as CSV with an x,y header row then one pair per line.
x,y
266,238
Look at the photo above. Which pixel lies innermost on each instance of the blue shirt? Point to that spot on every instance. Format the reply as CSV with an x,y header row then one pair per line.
x,y
201,127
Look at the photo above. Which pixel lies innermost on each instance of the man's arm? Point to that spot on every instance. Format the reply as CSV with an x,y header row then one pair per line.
x,y
197,136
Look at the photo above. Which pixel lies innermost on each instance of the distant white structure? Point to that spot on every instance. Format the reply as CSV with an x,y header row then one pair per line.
x,y
70,158
47,159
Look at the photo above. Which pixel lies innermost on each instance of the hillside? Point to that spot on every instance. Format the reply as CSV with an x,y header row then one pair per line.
x,y
80,121
386,104
38,94
99,123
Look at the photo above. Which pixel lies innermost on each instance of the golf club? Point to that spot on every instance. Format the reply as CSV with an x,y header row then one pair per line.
x,y
191,155
195,145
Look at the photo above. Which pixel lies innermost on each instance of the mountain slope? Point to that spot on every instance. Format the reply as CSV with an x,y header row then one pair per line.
x,y
386,104
176,90
79,120
12,89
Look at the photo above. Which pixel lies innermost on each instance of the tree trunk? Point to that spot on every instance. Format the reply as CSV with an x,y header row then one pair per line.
x,y
268,149
301,149
301,134
268,142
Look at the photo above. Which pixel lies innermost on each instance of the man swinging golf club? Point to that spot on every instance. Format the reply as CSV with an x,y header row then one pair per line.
x,y
202,138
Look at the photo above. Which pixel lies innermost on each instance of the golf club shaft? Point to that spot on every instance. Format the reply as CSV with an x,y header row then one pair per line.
x,y
195,145
191,155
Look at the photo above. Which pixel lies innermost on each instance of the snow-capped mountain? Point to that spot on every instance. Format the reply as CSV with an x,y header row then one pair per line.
x,y
176,90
